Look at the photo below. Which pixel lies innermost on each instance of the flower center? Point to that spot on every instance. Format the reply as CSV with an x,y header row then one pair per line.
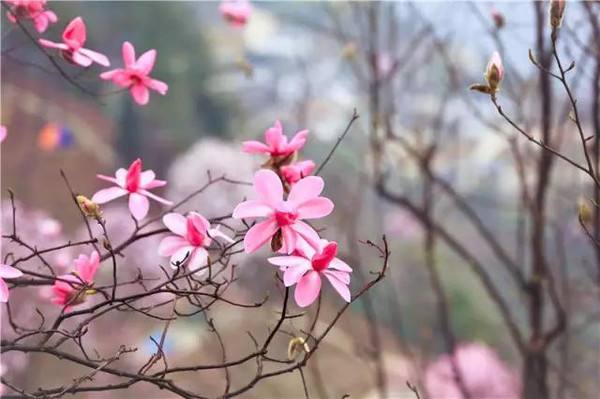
x,y
194,236
132,182
320,261
285,218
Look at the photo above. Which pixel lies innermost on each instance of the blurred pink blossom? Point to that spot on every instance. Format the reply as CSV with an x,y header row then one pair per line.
x,y
305,268
3,133
33,10
236,12
283,216
484,374
296,171
276,142
192,234
135,183
72,49
136,75
7,272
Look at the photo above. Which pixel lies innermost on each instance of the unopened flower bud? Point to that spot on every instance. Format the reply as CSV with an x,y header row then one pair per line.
x,y
89,207
295,346
584,211
494,73
557,10
498,18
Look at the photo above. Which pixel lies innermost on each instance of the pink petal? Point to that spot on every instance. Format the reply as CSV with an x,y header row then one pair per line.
x,y
140,94
339,286
268,187
342,276
198,259
138,205
182,254
146,62
170,245
87,267
75,33
315,208
121,176
49,44
307,233
81,59
251,209
216,233
292,274
254,147
108,179
274,135
176,223
155,197
289,237
306,189
289,261
108,194
158,86
307,289
3,291
259,234
128,52
95,56
7,271
199,221
338,264
155,183
146,177
298,141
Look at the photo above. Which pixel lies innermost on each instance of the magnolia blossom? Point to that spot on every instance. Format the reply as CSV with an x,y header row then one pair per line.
x,y
276,142
7,272
283,217
135,75
494,72
236,12
192,235
484,374
306,267
3,133
72,288
33,10
291,174
72,49
135,183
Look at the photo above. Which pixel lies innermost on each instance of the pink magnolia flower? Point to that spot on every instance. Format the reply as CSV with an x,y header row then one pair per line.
x,y
192,235
306,268
7,272
3,133
494,72
283,217
135,75
71,289
33,10
484,374
72,49
276,142
135,183
236,12
291,174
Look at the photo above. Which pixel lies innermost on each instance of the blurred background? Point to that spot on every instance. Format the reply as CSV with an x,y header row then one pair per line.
x,y
405,68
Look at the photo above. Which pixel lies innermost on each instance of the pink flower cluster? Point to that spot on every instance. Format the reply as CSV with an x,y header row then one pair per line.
x,y
236,12
285,198
135,75
34,10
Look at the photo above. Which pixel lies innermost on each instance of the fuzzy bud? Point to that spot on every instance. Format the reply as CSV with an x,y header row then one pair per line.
x,y
494,72
89,207
557,10
584,211
296,346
